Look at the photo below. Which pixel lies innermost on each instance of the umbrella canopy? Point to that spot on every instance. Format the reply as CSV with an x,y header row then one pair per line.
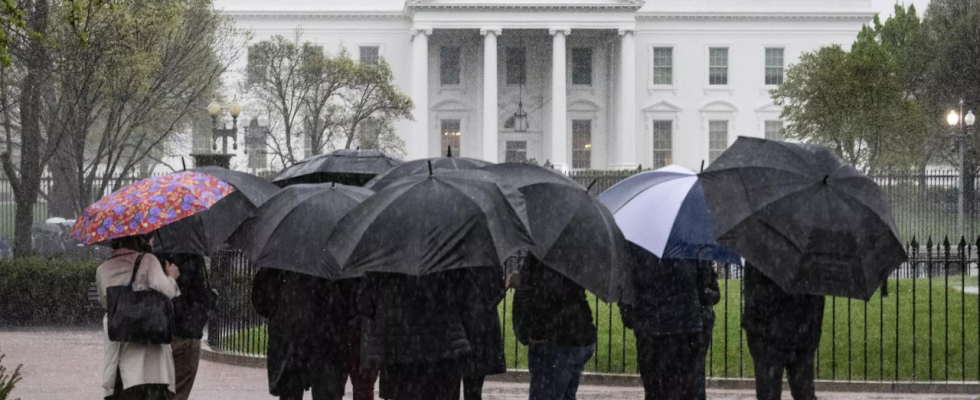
x,y
354,167
664,211
429,223
206,232
290,231
805,218
573,233
422,167
142,207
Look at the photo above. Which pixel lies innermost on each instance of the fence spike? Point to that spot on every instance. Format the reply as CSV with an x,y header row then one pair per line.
x,y
946,242
929,244
914,243
962,242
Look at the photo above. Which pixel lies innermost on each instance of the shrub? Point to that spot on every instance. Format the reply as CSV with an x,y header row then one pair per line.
x,y
7,382
36,291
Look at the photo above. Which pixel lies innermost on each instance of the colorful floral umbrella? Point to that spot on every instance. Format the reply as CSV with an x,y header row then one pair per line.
x,y
151,203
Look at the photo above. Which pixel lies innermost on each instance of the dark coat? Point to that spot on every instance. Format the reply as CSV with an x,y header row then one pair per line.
x,y
410,319
668,298
709,294
780,319
552,308
191,307
484,290
308,321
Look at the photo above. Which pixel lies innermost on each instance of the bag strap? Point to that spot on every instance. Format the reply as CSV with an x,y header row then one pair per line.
x,y
136,267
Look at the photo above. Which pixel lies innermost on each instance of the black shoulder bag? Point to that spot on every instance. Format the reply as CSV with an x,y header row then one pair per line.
x,y
145,316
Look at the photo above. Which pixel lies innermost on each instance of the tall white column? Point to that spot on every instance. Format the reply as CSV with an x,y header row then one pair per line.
x,y
627,102
559,104
490,151
417,145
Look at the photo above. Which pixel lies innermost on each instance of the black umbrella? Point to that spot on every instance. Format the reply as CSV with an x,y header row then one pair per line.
x,y
435,222
206,232
290,231
574,234
805,218
422,167
352,167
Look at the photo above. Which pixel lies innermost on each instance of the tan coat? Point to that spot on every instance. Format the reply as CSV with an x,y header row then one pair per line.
x,y
139,364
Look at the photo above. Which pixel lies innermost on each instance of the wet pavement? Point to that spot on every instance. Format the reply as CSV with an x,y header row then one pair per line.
x,y
67,364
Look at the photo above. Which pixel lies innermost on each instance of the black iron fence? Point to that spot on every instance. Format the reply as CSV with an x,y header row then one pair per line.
x,y
926,329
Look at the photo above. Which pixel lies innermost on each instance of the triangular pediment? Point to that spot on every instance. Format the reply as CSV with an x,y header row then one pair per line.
x,y
663,106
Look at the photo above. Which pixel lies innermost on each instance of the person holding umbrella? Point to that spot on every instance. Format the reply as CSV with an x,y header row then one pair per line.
x,y
809,225
664,215
300,289
137,370
130,219
415,242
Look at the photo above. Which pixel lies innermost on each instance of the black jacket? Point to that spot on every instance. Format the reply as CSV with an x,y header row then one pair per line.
x,y
308,321
484,290
668,298
191,307
552,308
783,320
410,320
709,294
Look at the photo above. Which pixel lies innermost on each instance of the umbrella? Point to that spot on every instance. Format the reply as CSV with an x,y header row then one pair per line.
x,y
573,233
802,216
422,167
430,223
290,231
354,167
144,206
664,212
206,232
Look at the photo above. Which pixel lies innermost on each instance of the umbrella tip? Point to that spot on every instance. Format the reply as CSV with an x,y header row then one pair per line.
x,y
429,162
702,165
333,184
449,151
591,184
183,163
825,177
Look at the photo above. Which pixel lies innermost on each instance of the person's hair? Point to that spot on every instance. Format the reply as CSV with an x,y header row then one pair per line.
x,y
139,243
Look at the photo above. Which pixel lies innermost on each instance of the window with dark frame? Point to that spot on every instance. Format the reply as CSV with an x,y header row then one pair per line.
x,y
370,54
516,66
449,65
718,66
516,151
582,66
774,65
717,139
581,143
663,66
663,143
450,136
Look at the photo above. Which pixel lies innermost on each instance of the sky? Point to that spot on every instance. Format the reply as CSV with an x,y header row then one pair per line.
x,y
887,7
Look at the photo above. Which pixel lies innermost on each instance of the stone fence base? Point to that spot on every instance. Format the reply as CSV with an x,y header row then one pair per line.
x,y
601,379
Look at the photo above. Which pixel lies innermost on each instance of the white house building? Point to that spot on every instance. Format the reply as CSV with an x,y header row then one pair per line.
x,y
604,84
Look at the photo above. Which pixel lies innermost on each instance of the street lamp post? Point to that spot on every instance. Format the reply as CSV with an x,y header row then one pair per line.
x,y
961,134
225,130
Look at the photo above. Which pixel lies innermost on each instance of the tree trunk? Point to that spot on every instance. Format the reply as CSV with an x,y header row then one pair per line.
x,y
64,183
32,141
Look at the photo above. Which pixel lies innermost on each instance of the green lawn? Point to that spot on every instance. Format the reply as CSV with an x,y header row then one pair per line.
x,y
8,212
847,351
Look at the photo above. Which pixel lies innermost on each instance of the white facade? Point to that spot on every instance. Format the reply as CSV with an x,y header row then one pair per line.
x,y
601,105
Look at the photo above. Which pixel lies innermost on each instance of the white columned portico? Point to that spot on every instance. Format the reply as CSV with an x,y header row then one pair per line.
x,y
490,146
627,100
559,101
418,144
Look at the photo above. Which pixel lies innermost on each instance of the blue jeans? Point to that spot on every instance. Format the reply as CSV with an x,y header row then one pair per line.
x,y
555,370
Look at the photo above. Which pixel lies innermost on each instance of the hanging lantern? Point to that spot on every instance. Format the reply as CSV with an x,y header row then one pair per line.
x,y
520,118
